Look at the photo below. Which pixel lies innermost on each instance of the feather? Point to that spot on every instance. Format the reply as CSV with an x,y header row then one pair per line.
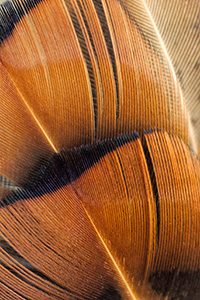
x,y
65,88
177,26
97,120
20,134
87,200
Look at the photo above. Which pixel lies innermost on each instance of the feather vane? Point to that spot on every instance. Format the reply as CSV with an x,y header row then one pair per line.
x,y
98,116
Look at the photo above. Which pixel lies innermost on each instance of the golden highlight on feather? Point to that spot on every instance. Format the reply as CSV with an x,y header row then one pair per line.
x,y
90,74
98,105
22,142
108,224
132,296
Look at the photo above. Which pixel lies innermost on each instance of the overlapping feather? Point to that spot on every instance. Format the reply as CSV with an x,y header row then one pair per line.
x,y
118,217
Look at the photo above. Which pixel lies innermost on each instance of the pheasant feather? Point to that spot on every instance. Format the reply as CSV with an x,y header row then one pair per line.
x,y
99,139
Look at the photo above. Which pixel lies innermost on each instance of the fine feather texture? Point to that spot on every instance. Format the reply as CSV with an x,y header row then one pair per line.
x,y
178,24
78,78
94,218
117,218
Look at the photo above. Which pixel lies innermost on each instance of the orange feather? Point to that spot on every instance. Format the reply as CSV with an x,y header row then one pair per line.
x,y
99,126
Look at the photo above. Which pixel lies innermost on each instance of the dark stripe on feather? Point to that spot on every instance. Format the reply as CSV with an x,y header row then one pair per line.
x,y
154,184
11,13
179,285
66,167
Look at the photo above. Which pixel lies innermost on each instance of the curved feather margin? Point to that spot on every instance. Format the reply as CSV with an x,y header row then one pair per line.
x,y
112,214
178,25
75,72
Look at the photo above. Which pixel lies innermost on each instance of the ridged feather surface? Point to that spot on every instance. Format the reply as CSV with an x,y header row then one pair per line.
x,y
115,214
179,27
83,71
99,164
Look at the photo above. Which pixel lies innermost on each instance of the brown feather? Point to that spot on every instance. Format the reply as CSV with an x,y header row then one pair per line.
x,y
119,217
